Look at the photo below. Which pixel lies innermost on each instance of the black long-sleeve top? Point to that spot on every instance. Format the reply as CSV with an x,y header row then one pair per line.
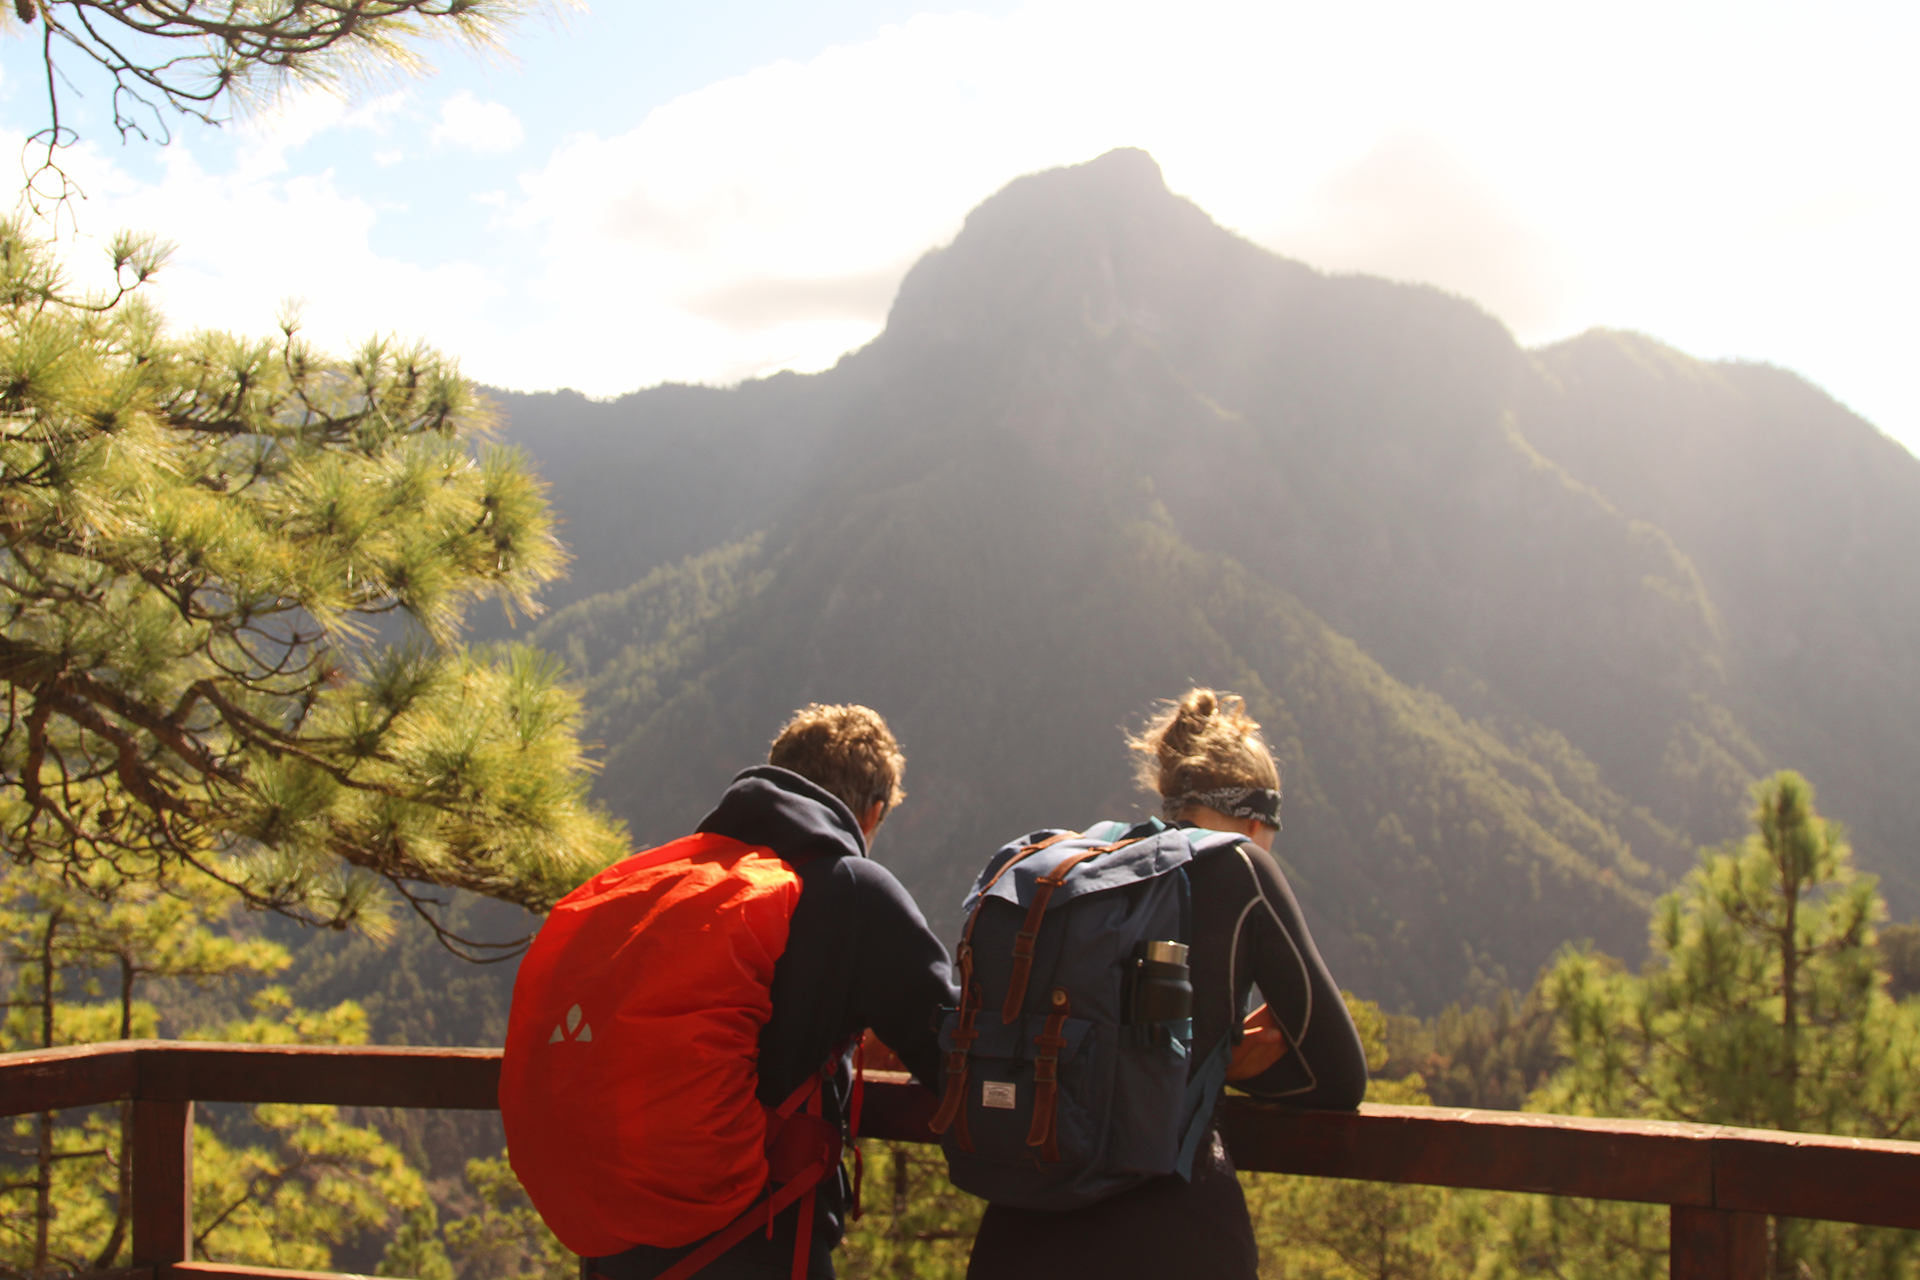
x,y
1247,931
859,954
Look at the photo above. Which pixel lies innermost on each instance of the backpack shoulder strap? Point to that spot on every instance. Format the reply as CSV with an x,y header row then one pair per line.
x,y
1203,1091
1203,841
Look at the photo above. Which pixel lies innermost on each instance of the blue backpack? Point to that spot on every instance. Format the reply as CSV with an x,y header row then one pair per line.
x,y
1053,1099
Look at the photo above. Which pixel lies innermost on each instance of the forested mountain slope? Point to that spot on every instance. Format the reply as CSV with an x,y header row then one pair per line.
x,y
1513,619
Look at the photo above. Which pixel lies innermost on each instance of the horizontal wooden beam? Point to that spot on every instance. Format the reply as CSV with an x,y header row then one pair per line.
x,y
340,1075
232,1271
1796,1175
1692,1166
1812,1175
50,1079
897,1109
1652,1161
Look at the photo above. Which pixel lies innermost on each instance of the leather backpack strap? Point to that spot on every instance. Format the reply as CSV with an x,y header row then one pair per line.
x,y
953,1099
953,1110
1044,1132
1023,942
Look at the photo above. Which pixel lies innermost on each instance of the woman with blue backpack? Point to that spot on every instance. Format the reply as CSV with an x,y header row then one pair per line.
x,y
1105,982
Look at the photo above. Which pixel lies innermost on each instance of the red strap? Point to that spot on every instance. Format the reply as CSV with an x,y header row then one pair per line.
x,y
743,1226
802,1185
853,1123
803,1234
808,1087
859,1087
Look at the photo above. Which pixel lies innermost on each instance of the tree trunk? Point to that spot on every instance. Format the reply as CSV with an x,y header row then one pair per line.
x,y
1787,1118
43,1184
118,1236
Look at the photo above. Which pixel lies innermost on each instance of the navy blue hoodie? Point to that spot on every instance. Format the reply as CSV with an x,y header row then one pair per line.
x,y
859,954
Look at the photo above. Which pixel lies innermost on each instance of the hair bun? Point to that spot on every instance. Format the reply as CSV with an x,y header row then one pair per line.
x,y
1202,741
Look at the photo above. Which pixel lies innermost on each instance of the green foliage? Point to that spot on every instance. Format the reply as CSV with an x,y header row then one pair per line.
x,y
503,1238
198,537
1332,1229
416,1249
1394,800
1900,958
1483,1055
1762,1006
310,1182
275,1185
915,1222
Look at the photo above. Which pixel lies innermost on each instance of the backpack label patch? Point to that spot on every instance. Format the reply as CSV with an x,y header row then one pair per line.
x,y
1001,1096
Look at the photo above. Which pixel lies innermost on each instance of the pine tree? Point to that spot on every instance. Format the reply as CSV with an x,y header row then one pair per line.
x,y
503,1238
273,1185
1762,1006
165,58
417,1250
201,540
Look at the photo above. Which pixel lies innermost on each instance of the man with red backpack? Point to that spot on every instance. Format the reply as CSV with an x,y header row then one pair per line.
x,y
677,1068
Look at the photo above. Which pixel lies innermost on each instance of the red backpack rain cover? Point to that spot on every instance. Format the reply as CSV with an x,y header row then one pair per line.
x,y
627,1089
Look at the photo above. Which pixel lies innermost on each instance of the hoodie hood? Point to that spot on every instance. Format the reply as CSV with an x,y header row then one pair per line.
x,y
782,811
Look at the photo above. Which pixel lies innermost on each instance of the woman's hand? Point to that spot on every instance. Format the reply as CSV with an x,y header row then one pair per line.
x,y
1261,1045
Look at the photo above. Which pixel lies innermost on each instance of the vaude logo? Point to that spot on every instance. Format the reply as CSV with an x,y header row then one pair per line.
x,y
584,1032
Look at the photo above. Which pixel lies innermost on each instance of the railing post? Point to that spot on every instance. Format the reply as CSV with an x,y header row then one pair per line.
x,y
1716,1244
162,1183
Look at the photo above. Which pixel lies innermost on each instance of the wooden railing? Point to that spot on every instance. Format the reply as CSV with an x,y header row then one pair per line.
x,y
1720,1183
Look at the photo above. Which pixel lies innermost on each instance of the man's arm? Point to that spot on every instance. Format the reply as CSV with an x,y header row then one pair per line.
x,y
902,975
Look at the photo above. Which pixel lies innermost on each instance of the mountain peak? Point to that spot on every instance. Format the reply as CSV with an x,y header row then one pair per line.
x,y
1125,168
1082,240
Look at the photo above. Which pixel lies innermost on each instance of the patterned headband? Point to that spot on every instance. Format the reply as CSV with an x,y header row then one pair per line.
x,y
1235,802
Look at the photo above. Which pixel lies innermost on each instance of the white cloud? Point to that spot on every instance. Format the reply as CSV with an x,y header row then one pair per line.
x,y
1413,209
1661,167
1735,181
248,241
291,121
485,128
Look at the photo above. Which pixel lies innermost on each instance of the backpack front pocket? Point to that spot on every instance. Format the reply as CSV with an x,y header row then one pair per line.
x,y
1005,1084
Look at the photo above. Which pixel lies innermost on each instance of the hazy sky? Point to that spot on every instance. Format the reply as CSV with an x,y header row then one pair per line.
x,y
707,192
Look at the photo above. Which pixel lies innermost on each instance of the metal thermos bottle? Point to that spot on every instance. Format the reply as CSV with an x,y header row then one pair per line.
x,y
1160,989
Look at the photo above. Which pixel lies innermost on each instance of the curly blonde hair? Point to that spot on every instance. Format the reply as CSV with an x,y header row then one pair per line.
x,y
1202,742
845,749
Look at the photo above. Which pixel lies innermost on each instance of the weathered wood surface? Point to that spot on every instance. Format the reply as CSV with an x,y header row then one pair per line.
x,y
50,1079
897,1109
1689,1165
232,1271
162,1182
217,1271
195,1071
342,1075
1692,1166
1811,1175
1712,1244
1662,1163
